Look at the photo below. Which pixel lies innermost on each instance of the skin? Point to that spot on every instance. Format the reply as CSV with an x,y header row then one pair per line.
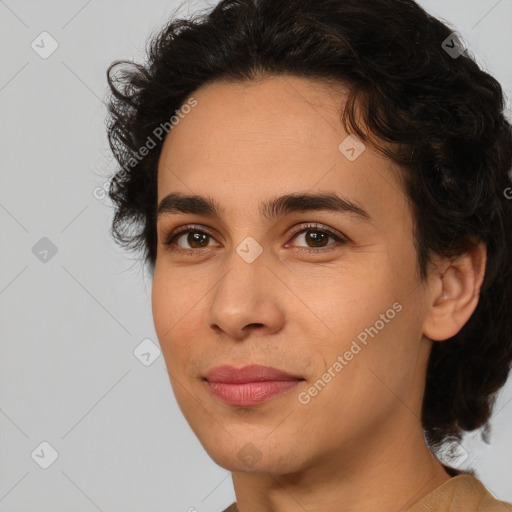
x,y
358,444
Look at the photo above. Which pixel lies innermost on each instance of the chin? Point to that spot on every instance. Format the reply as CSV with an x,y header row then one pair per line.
x,y
250,456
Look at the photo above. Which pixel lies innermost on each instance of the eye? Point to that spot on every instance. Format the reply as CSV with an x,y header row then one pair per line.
x,y
199,239
317,235
195,238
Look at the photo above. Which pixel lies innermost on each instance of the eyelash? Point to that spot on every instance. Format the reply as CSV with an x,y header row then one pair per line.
x,y
169,241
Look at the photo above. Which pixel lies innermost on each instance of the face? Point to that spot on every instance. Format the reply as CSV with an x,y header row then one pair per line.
x,y
331,296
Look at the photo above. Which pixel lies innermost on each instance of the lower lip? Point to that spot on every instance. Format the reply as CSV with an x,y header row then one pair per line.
x,y
250,393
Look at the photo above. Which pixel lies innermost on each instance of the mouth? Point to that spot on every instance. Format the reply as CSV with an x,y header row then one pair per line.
x,y
250,385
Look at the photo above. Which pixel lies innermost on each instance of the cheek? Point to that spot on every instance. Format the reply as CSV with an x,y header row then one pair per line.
x,y
371,380
172,296
374,315
380,354
356,299
169,309
161,304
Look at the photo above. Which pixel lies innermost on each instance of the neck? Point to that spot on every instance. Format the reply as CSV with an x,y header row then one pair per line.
x,y
387,471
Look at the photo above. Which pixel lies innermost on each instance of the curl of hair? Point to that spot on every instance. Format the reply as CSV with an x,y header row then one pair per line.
x,y
440,118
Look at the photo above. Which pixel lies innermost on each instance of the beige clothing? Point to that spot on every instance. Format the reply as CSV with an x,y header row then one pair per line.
x,y
462,493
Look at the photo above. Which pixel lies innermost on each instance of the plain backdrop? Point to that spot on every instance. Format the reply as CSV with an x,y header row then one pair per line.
x,y
75,393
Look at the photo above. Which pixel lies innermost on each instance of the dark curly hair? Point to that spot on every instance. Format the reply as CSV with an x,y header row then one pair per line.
x,y
434,112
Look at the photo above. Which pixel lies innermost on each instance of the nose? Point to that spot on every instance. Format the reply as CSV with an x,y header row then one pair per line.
x,y
247,298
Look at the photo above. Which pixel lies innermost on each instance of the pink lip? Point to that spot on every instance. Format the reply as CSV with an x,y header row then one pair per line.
x,y
251,373
250,385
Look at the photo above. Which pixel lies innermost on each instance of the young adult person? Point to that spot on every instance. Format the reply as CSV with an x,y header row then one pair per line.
x,y
318,188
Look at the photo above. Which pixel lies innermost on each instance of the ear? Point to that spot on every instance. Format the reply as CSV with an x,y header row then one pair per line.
x,y
453,292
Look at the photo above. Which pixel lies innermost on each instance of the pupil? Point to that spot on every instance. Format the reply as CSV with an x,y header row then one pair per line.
x,y
316,234
195,238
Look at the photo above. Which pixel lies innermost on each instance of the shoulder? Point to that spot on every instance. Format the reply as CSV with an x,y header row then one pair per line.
x,y
231,508
463,492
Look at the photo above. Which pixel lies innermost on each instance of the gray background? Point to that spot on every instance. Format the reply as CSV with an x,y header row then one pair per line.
x,y
70,321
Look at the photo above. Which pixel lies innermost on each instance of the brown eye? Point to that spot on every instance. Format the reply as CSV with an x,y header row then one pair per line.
x,y
316,238
195,239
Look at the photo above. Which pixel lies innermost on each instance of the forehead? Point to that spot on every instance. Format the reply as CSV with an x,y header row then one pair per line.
x,y
274,112
267,137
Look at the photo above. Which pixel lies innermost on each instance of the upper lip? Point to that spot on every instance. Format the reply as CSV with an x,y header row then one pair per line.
x,y
251,373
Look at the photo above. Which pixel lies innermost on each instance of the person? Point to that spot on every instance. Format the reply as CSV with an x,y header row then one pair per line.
x,y
319,191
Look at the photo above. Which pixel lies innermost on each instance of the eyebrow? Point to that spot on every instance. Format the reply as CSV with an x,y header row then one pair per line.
x,y
176,202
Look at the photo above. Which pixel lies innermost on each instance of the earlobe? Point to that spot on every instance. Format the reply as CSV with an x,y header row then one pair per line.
x,y
453,293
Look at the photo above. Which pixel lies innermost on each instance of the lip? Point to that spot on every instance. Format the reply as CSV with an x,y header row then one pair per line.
x,y
252,373
250,385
